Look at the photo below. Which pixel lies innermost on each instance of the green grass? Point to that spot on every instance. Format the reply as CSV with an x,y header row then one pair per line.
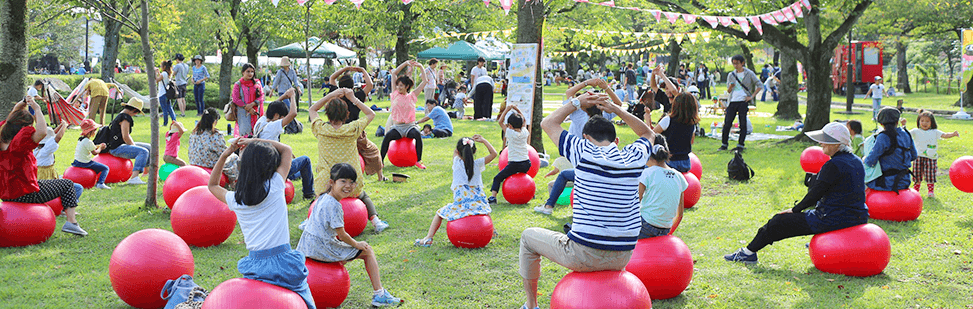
x,y
930,264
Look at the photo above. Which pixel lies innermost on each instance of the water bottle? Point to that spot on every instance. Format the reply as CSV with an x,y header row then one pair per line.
x,y
229,129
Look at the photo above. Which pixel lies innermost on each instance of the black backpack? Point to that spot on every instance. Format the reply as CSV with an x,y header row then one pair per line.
x,y
102,136
737,169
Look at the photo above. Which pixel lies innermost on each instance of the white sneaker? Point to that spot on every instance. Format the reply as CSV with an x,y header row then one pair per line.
x,y
381,226
135,181
102,186
544,210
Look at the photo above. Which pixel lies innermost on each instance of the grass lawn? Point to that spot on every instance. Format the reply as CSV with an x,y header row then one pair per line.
x,y
930,265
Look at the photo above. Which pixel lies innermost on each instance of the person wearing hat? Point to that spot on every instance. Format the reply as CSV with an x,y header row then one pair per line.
x,y
285,79
97,91
891,151
87,149
180,70
200,75
120,143
876,91
837,196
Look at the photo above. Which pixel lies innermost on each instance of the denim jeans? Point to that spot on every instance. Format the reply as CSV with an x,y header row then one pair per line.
x,y
78,190
198,92
140,154
301,168
649,231
280,266
562,179
100,169
630,92
166,110
876,105
681,166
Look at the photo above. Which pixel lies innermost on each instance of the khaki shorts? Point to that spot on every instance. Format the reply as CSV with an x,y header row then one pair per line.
x,y
47,172
537,242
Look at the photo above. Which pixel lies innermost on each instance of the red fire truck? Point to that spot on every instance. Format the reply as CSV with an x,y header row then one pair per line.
x,y
866,61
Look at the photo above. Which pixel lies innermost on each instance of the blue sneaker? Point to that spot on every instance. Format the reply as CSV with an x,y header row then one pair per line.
x,y
740,256
386,299
492,200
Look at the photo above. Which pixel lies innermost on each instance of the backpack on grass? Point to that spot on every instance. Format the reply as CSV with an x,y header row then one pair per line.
x,y
737,169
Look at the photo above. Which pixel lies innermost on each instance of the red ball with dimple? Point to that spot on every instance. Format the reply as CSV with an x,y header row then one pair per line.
x,y
25,224
693,191
813,158
600,290
201,219
119,169
246,293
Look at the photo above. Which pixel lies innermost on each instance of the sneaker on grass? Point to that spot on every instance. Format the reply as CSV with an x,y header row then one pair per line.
x,y
740,256
544,210
386,299
102,186
135,181
73,228
381,226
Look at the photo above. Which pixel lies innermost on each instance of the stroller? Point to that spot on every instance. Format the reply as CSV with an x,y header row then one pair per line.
x,y
449,94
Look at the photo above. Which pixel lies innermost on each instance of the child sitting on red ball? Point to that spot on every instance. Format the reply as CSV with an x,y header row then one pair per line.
x,y
518,137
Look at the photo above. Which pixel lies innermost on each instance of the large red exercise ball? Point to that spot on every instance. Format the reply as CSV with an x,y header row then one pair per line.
x,y
361,161
535,160
143,262
201,219
691,196
518,188
119,169
961,174
181,180
224,180
664,264
82,176
470,232
56,206
695,166
859,251
329,283
240,293
25,224
288,191
611,289
813,158
165,170
402,152
887,205
356,215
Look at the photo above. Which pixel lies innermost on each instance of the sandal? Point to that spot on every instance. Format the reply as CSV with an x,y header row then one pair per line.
x,y
423,242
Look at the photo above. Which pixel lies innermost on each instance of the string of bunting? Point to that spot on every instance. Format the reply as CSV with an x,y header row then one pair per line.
x,y
504,4
679,37
476,35
789,13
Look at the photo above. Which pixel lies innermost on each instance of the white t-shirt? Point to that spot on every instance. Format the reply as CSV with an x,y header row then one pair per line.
x,y
517,145
926,142
660,202
738,93
458,100
477,72
664,123
484,79
459,173
580,73
82,153
877,90
162,83
32,92
264,225
269,130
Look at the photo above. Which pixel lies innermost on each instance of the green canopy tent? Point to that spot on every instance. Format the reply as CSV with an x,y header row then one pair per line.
x,y
326,50
460,50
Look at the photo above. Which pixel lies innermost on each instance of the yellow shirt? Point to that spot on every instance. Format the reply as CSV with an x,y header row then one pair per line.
x,y
337,146
97,87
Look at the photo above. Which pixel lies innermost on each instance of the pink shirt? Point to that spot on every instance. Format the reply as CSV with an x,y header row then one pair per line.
x,y
172,144
403,107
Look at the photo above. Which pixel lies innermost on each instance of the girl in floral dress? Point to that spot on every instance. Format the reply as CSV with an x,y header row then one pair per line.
x,y
468,196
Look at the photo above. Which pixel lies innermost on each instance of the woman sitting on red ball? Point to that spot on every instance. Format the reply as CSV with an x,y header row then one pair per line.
x,y
837,195
20,133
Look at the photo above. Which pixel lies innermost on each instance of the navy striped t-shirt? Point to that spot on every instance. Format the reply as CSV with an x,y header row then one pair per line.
x,y
606,184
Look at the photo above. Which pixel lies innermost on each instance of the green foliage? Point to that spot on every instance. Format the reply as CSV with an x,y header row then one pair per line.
x,y
53,29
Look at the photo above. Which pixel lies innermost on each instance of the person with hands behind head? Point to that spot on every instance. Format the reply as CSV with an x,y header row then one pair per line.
x,y
366,148
173,140
261,210
325,240
517,134
272,124
402,121
664,92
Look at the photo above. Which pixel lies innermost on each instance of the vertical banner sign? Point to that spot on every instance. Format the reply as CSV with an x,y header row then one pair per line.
x,y
521,75
967,58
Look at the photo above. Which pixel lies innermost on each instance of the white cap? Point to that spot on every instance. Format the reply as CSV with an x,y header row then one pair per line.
x,y
832,133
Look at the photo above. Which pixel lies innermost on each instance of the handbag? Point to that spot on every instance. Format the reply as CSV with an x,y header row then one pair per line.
x,y
177,291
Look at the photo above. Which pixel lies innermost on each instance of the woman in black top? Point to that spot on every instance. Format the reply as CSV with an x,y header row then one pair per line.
x,y
120,143
678,127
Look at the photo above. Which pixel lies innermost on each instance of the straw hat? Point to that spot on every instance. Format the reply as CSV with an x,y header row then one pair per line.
x,y
134,102
88,125
285,61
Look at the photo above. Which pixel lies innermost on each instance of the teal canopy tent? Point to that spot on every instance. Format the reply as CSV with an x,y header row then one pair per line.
x,y
326,50
460,50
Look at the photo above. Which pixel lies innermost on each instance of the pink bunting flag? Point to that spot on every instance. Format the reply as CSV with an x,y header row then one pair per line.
x,y
806,4
725,21
357,3
671,16
329,2
796,7
406,1
768,19
755,20
610,3
744,24
301,2
485,2
505,5
779,16
689,18
274,2
712,20
656,14
789,15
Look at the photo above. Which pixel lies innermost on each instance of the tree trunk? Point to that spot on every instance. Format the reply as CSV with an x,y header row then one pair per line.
x,y
530,25
151,191
226,72
967,97
673,67
902,65
13,53
747,54
110,52
253,44
403,35
818,95
787,107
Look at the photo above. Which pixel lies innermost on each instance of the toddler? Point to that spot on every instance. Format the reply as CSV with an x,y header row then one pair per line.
x,y
87,149
926,136
171,155
518,136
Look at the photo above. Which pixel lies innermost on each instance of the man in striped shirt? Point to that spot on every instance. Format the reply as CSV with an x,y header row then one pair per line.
x,y
606,219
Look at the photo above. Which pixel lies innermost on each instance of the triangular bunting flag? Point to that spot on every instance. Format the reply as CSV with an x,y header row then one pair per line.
x,y
485,2
672,17
789,14
796,7
652,35
664,37
505,5
712,20
608,3
301,2
725,21
656,13
692,37
744,24
328,2
678,38
706,36
755,20
806,4
406,1
779,16
357,3
689,18
768,19
275,2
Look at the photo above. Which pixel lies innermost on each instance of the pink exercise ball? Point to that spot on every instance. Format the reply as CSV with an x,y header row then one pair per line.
x,y
470,232
600,290
56,206
402,152
664,264
329,283
961,174
518,188
535,160
696,166
224,180
858,251
288,191
181,180
119,169
201,219
25,224
691,195
813,158
887,205
82,176
142,263
356,215
240,293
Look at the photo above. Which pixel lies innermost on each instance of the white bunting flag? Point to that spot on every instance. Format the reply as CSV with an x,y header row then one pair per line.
x,y
274,2
779,16
689,18
712,20
796,7
357,3
725,21
768,19
672,17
